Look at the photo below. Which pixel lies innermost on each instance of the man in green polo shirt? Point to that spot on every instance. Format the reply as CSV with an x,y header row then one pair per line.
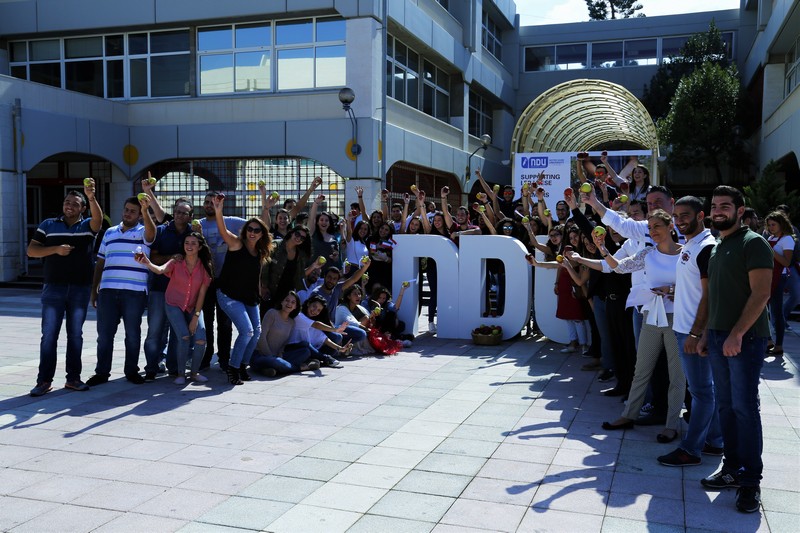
x,y
739,276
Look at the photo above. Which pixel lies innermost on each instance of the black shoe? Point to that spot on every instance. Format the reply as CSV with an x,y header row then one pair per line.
x,y
150,376
136,379
679,458
97,379
243,375
608,426
223,364
664,439
233,376
720,480
712,450
748,499
607,375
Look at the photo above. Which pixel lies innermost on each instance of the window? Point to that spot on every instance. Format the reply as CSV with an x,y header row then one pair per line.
x,y
444,3
234,58
671,47
792,68
491,36
641,52
154,63
571,56
606,55
403,81
480,115
539,58
310,53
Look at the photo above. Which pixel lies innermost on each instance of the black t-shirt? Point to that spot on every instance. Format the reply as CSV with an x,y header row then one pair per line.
x,y
75,267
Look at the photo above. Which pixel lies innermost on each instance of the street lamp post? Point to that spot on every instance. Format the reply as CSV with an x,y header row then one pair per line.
x,y
486,140
346,97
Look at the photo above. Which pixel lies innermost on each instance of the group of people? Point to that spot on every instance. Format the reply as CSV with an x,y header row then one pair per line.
x,y
674,305
666,300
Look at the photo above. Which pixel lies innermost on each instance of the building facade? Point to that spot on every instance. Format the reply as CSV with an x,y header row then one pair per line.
x,y
219,95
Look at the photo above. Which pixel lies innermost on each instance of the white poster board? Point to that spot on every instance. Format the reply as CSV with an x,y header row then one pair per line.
x,y
550,171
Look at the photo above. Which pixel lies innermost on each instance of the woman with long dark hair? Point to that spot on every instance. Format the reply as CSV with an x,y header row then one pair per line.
x,y
272,356
189,279
289,263
312,328
238,287
327,232
380,252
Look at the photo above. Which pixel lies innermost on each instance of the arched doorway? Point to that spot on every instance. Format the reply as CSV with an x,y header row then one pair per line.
x,y
402,175
586,115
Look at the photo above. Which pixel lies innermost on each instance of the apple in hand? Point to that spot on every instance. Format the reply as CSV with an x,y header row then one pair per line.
x,y
525,220
624,198
496,189
599,231
559,258
141,196
321,260
586,188
405,284
274,195
87,182
547,212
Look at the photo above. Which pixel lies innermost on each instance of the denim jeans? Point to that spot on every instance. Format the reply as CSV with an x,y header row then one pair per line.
x,y
289,361
179,321
113,305
157,331
247,321
353,333
776,310
736,391
224,331
60,300
704,422
601,318
793,298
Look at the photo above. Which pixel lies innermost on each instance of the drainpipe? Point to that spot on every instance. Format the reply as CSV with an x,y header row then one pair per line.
x,y
384,45
17,116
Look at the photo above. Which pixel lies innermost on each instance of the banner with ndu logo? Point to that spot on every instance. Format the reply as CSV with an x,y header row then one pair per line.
x,y
550,171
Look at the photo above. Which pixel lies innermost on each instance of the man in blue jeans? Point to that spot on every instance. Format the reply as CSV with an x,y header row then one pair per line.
x,y
689,321
739,277
119,290
65,245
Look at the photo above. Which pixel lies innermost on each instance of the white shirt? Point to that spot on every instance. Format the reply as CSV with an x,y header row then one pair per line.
x,y
660,270
303,332
688,289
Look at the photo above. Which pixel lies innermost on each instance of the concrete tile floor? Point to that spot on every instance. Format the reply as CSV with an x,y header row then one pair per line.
x,y
443,437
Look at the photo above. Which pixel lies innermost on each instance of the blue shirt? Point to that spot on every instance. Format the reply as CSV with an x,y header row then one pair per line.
x,y
75,267
120,270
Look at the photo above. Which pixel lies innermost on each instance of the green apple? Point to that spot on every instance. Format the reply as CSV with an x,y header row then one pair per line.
x,y
559,258
151,181
261,183
586,188
141,196
624,198
87,182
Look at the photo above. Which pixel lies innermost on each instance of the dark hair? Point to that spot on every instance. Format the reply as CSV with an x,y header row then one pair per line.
x,y
357,229
782,220
660,214
288,201
79,195
355,205
305,246
445,230
749,212
348,291
508,188
264,243
323,315
180,201
377,290
296,311
386,224
693,202
562,202
782,207
204,253
661,189
507,221
133,200
732,192
421,229
397,205
601,165
332,269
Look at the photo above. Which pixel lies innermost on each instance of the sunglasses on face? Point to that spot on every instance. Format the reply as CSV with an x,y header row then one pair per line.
x,y
599,173
254,229
300,236
508,228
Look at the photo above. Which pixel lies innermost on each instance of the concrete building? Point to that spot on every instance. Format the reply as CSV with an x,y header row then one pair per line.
x,y
218,95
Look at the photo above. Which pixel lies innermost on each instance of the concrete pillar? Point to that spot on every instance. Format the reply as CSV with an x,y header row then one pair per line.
x,y
11,218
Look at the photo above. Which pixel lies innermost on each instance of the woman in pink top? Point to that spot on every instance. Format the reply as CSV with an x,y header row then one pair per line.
x,y
188,281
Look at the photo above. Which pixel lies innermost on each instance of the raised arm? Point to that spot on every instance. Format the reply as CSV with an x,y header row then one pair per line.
x,y
423,216
233,241
385,203
301,203
404,219
147,186
149,225
356,275
312,215
448,220
361,206
94,207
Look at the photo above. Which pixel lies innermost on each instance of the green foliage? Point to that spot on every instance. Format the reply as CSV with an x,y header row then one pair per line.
x,y
769,191
613,9
700,48
701,119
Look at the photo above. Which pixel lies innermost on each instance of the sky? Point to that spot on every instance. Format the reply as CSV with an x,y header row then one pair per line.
x,y
537,12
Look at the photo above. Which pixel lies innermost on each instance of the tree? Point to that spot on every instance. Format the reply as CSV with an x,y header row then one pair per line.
x,y
769,191
700,48
612,9
702,117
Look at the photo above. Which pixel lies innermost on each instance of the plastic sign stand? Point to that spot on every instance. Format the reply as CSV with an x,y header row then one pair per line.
x,y
462,281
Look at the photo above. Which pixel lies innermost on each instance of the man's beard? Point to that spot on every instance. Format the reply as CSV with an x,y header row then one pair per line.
x,y
723,225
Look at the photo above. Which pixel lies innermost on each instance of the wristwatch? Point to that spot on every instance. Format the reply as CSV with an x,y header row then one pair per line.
x,y
197,313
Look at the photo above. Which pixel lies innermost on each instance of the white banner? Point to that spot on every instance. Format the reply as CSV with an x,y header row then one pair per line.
x,y
550,171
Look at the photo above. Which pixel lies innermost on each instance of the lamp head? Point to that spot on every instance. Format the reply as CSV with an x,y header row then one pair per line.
x,y
486,139
346,97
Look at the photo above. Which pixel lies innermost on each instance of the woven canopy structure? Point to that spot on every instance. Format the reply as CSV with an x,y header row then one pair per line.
x,y
582,115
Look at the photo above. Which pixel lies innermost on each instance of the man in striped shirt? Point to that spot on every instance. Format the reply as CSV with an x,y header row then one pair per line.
x,y
120,289
65,245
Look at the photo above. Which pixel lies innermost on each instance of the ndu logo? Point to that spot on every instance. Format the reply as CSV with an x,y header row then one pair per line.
x,y
533,162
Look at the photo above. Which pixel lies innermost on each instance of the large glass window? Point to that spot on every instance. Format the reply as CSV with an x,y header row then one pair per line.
x,y
403,64
606,55
539,58
671,47
571,56
112,66
235,58
641,52
792,68
491,36
480,115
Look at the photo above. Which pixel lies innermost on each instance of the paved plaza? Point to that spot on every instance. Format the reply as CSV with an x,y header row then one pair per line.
x,y
444,437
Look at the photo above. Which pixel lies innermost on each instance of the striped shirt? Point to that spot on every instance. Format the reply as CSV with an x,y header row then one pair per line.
x,y
75,267
121,271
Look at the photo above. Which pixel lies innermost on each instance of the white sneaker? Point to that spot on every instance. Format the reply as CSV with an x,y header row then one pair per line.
x,y
180,380
200,378
432,327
